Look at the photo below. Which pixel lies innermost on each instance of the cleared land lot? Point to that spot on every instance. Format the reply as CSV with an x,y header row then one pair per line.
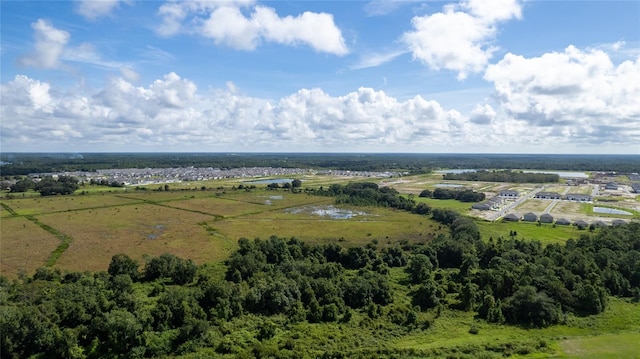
x,y
536,206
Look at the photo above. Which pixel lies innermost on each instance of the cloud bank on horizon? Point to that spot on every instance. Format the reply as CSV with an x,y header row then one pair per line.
x,y
381,76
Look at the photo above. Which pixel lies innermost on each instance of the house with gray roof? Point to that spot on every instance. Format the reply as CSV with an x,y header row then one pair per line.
x,y
509,193
563,222
530,217
581,224
578,197
546,218
511,217
598,224
548,195
611,186
618,222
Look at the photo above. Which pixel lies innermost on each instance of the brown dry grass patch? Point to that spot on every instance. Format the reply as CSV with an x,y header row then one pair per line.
x,y
139,231
42,205
24,247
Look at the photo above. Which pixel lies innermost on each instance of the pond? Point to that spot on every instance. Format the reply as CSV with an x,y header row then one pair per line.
x,y
611,211
327,211
268,181
450,185
463,170
562,174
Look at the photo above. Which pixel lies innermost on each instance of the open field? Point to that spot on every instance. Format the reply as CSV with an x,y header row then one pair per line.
x,y
612,334
545,233
42,205
200,225
25,246
205,224
536,206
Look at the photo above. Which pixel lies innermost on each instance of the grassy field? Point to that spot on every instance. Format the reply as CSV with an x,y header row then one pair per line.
x,y
200,225
545,233
611,334
24,247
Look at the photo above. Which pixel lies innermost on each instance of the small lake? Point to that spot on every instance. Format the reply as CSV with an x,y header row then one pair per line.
x,y
562,174
269,181
611,211
450,185
463,170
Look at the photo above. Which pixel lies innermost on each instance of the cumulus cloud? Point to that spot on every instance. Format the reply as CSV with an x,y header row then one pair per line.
x,y
48,47
93,9
574,94
483,114
587,101
460,37
226,24
172,112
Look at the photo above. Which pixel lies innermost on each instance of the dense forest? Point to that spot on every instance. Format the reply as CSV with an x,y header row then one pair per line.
x,y
171,306
24,163
503,176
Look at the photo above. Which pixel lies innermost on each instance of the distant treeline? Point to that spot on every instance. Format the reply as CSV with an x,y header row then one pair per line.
x,y
25,163
464,195
47,186
503,176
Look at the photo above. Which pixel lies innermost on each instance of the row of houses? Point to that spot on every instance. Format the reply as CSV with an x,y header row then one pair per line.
x,y
547,218
549,195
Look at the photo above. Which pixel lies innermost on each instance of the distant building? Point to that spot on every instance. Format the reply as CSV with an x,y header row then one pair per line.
x,y
598,224
611,186
563,222
546,218
509,193
618,222
578,197
530,217
635,187
548,195
581,224
483,206
511,217
492,203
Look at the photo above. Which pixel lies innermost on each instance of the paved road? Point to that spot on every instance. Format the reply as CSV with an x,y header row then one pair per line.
x,y
555,201
517,202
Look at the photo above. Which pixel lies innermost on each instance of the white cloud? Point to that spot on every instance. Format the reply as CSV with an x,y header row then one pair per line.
x,y
49,45
227,24
171,113
376,59
460,38
574,95
93,9
483,114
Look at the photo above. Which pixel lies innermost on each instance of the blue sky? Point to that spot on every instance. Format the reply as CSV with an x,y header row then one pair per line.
x,y
488,76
